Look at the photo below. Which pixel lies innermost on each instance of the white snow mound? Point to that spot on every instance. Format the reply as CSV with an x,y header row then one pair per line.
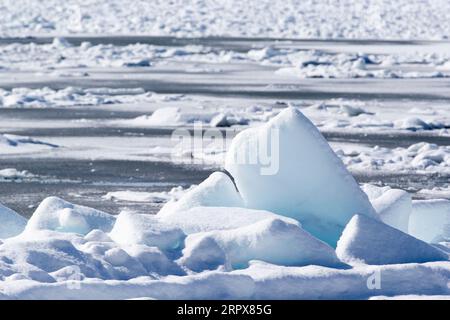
x,y
300,177
59,215
131,228
202,219
393,206
365,240
271,240
217,190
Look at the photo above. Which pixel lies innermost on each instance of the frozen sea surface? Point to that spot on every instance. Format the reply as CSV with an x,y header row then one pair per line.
x,y
101,148
90,121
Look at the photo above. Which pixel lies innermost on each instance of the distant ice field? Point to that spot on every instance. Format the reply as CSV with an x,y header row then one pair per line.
x,y
362,19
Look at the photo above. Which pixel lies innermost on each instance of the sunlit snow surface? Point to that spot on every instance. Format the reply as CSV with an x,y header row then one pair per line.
x,y
86,150
364,19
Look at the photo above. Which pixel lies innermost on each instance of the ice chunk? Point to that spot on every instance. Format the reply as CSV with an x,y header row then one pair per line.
x,y
203,253
46,255
11,223
131,228
227,120
369,241
117,256
202,219
430,220
61,42
271,240
218,190
412,124
59,215
304,178
170,116
141,196
393,206
14,174
98,236
153,260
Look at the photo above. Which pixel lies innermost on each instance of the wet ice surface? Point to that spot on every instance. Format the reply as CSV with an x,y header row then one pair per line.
x,y
86,182
100,152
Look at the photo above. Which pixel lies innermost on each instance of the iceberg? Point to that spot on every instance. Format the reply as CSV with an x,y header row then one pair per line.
x,y
311,184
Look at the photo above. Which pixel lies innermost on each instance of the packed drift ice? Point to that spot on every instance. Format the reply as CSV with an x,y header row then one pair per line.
x,y
348,19
296,226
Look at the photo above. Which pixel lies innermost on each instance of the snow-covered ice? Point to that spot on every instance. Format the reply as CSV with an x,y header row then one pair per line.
x,y
203,219
218,190
365,240
11,222
14,144
393,206
304,179
142,196
265,240
430,220
96,89
363,19
208,242
56,214
146,229
12,174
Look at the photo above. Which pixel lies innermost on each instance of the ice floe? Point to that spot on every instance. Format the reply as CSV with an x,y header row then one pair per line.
x,y
12,174
142,196
221,117
418,157
218,190
72,96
